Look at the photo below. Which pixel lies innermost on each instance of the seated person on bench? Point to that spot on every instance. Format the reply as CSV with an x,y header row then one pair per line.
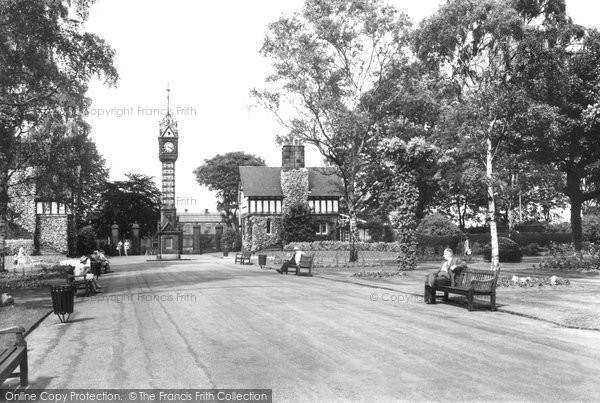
x,y
291,262
449,268
83,269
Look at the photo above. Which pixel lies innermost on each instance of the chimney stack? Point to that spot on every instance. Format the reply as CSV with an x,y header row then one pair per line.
x,y
292,156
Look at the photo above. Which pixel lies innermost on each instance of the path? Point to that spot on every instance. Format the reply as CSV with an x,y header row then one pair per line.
x,y
207,323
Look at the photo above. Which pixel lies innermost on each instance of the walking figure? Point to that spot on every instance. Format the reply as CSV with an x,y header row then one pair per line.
x,y
119,247
127,246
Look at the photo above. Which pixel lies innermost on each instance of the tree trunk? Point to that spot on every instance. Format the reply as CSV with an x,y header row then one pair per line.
x,y
3,212
353,235
495,261
576,199
576,227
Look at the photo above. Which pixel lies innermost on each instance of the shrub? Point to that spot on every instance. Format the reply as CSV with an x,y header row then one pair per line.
x,y
298,224
566,258
438,225
590,224
379,231
526,238
508,251
86,240
435,245
13,245
228,240
532,249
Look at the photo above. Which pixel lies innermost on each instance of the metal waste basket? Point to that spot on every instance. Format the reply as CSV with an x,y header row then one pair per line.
x,y
262,260
62,301
96,267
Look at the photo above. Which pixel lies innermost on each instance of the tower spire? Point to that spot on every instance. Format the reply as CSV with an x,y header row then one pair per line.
x,y
168,99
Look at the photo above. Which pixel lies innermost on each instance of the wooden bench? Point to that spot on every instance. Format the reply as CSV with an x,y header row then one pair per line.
x,y
13,357
306,263
80,282
471,282
243,257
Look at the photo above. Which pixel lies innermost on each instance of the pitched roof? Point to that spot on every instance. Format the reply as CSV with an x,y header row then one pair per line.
x,y
266,181
191,217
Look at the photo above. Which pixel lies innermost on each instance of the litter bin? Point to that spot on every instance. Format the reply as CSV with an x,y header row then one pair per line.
x,y
262,260
96,267
62,301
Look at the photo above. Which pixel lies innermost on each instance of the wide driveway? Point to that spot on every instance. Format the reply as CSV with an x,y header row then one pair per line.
x,y
207,323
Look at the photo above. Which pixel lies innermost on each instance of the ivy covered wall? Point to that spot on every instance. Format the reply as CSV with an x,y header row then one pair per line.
x,y
259,238
21,208
52,233
294,186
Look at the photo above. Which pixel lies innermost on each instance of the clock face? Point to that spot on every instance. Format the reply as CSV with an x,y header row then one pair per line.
x,y
168,147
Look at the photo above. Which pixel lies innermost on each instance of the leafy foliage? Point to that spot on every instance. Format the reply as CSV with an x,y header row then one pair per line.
x,y
567,258
509,251
47,62
86,240
221,174
228,240
135,200
326,60
437,225
298,224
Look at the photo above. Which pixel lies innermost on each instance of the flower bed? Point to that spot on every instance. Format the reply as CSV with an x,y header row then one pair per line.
x,y
516,281
379,274
12,281
565,258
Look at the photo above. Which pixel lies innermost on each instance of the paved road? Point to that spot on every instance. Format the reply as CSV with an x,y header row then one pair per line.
x,y
207,323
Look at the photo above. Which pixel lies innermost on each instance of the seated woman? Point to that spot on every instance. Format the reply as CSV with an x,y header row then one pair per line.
x,y
444,276
83,269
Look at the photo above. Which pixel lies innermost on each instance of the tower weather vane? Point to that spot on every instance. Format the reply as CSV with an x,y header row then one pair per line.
x,y
168,99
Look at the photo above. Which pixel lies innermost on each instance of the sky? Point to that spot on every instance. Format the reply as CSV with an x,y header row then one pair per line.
x,y
207,53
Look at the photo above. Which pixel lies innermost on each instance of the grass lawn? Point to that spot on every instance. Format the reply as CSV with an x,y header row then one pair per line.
x,y
31,305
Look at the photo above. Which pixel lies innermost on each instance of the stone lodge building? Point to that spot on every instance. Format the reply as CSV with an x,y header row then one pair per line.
x,y
265,192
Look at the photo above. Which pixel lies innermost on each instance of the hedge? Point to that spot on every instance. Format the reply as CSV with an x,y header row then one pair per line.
x,y
339,245
526,238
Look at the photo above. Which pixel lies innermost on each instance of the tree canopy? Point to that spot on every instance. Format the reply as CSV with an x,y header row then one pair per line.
x,y
135,200
46,62
221,174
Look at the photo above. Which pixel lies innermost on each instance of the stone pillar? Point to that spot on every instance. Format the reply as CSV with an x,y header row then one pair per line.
x,y
197,245
114,237
135,241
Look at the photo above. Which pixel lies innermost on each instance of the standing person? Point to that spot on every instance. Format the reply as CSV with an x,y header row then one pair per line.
x,y
295,259
127,246
445,276
119,247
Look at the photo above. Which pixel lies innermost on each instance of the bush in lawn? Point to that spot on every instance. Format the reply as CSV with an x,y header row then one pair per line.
x,y
508,250
86,240
532,249
229,240
298,224
438,225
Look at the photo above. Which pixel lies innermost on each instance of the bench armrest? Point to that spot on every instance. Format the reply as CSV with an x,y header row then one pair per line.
x,y
18,331
482,285
14,329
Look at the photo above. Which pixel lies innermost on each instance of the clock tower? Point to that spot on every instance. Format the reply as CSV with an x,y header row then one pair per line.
x,y
170,238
